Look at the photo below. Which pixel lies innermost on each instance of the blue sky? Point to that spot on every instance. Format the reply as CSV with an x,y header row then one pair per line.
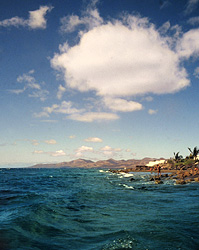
x,y
98,79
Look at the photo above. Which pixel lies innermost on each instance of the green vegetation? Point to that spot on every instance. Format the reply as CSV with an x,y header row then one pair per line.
x,y
194,153
178,162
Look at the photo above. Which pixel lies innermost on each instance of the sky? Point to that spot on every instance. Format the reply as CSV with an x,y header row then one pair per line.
x,y
98,79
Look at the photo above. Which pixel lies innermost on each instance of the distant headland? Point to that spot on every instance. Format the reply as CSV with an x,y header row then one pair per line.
x,y
111,163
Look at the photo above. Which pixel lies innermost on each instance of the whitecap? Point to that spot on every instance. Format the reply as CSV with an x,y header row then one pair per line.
x,y
126,186
128,175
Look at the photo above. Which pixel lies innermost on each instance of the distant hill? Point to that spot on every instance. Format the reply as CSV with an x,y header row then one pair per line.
x,y
111,163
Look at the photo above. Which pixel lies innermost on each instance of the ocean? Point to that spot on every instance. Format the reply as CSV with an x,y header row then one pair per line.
x,y
92,209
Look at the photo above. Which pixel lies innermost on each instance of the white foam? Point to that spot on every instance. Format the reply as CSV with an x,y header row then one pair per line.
x,y
127,175
126,186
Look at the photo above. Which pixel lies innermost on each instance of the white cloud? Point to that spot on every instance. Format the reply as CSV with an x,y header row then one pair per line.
x,y
54,154
42,94
30,84
109,151
57,153
38,152
189,46
194,20
165,27
89,21
14,21
93,116
191,5
93,139
35,142
122,59
27,77
49,121
52,141
196,72
63,108
17,91
117,149
118,104
60,91
106,148
152,111
41,114
81,150
36,19
84,149
148,98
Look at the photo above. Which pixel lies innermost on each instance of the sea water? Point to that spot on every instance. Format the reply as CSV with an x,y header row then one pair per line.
x,y
80,209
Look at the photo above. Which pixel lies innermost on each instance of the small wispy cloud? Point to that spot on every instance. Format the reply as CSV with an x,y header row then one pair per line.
x,y
38,152
109,151
90,20
35,142
191,6
118,104
72,136
193,20
147,98
63,108
36,19
93,117
93,139
83,149
152,111
164,4
51,142
61,91
31,85
49,121
57,153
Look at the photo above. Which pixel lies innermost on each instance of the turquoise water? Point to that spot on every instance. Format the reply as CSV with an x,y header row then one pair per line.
x,y
80,209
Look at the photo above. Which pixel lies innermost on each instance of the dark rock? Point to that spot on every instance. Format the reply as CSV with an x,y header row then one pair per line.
x,y
158,182
189,179
180,182
196,179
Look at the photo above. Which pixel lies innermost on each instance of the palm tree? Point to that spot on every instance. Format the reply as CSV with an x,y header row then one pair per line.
x,y
177,156
194,152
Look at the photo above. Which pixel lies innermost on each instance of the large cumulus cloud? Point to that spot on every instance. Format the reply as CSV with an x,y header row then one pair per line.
x,y
118,60
123,59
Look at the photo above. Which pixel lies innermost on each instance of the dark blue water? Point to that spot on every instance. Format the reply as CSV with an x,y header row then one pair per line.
x,y
80,209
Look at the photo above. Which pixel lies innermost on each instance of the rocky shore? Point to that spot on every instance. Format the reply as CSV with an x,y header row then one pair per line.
x,y
182,176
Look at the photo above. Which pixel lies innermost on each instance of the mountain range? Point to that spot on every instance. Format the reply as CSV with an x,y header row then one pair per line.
x,y
111,163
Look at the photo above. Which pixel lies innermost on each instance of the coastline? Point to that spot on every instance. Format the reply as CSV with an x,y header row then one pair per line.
x,y
182,176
